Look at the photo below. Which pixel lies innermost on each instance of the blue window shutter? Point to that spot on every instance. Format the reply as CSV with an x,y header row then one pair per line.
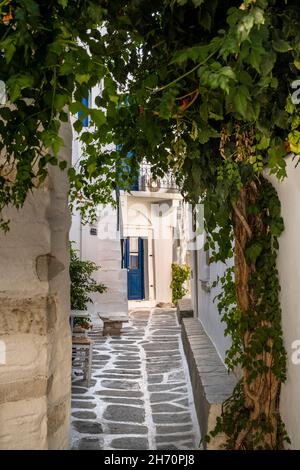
x,y
126,167
135,185
85,121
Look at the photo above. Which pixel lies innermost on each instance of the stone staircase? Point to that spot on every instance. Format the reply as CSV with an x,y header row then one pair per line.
x,y
107,255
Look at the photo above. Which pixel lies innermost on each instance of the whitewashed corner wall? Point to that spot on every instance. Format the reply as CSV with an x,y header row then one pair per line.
x,y
35,364
205,304
289,275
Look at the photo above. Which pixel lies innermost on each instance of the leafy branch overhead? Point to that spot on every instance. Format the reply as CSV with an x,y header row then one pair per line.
x,y
204,88
51,56
200,64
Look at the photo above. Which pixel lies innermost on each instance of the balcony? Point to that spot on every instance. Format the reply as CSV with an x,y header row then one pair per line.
x,y
146,181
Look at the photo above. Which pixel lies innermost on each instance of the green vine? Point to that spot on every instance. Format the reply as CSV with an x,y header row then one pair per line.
x,y
262,324
51,55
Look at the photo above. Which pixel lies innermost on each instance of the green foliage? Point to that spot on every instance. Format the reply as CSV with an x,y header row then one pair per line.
x,y
82,283
261,254
83,323
180,274
238,64
51,56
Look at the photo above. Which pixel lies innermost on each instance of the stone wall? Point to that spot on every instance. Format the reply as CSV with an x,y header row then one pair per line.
x,y
35,364
210,380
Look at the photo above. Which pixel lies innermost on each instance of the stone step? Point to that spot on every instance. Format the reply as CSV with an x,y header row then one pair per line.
x,y
109,245
103,261
113,300
117,287
111,276
107,300
112,286
114,293
109,264
111,308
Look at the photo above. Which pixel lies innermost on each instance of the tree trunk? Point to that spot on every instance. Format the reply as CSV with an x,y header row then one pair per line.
x,y
260,394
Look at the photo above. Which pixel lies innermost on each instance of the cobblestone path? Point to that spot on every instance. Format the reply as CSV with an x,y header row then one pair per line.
x,y
140,395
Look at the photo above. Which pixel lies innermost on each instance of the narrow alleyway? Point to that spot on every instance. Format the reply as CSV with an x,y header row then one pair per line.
x,y
140,396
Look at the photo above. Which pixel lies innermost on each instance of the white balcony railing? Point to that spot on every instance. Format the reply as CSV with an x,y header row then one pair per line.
x,y
147,182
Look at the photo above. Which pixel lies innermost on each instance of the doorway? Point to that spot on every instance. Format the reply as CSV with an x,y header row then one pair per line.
x,y
133,261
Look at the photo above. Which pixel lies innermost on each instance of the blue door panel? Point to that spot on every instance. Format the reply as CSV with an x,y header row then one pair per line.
x,y
134,262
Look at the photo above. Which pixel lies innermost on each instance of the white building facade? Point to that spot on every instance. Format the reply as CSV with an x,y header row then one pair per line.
x,y
154,230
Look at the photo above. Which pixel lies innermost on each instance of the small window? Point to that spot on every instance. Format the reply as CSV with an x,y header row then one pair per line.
x,y
134,261
93,231
134,245
133,253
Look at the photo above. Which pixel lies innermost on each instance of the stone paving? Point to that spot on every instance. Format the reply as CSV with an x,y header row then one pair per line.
x,y
140,395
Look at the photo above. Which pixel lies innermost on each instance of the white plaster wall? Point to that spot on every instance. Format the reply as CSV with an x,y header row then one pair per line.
x,y
207,309
75,232
163,253
289,274
104,249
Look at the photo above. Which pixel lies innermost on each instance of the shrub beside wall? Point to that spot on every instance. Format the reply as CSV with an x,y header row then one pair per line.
x,y
180,274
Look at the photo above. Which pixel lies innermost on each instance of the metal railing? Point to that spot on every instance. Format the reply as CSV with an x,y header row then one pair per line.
x,y
147,182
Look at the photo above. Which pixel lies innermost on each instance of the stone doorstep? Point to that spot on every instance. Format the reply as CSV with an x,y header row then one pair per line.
x,y
184,309
210,380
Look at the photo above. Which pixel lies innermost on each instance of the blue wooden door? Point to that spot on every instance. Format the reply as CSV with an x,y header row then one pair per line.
x,y
134,262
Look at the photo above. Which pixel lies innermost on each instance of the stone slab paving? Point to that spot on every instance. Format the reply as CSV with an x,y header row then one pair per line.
x,y
140,395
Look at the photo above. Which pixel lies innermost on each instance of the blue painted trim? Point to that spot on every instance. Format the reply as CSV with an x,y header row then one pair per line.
x,y
135,185
135,277
141,255
85,121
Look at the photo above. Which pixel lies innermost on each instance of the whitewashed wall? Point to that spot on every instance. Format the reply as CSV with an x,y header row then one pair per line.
x,y
104,249
289,274
203,295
